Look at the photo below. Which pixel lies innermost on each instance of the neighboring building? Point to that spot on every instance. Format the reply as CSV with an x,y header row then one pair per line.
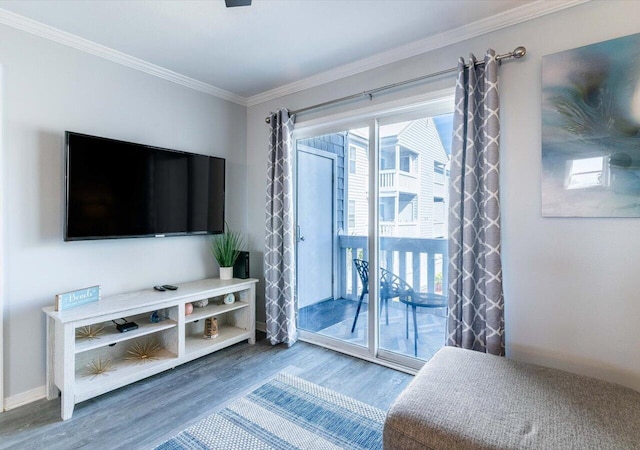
x,y
357,182
414,167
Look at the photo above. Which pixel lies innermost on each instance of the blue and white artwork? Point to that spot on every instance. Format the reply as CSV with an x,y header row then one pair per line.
x,y
591,130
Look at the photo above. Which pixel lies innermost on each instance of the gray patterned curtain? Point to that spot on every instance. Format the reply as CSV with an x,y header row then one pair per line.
x,y
476,319
279,269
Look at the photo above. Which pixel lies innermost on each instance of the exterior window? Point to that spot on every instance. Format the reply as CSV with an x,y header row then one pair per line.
x,y
352,213
405,163
408,210
586,173
352,158
385,164
387,210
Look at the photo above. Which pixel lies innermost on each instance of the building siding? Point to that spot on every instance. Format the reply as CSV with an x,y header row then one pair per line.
x,y
422,137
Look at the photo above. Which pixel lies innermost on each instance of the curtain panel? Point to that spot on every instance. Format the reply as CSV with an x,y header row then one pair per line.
x,y
279,262
476,302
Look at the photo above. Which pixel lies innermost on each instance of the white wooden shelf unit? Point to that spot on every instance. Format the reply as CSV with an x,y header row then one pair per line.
x,y
180,336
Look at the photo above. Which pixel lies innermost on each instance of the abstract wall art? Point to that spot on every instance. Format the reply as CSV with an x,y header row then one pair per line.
x,y
591,130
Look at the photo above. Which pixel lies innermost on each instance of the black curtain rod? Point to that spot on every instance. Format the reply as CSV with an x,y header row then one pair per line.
x,y
517,53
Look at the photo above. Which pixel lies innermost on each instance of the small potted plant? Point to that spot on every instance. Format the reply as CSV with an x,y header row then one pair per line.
x,y
225,248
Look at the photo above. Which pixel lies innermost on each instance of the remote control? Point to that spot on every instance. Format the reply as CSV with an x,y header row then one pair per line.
x,y
170,287
159,288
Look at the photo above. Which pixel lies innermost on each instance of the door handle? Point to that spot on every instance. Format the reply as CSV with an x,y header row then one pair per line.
x,y
299,238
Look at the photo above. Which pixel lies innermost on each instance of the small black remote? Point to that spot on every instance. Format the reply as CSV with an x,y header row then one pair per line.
x,y
170,287
159,288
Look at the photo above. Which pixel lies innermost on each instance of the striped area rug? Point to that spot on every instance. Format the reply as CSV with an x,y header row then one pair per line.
x,y
286,413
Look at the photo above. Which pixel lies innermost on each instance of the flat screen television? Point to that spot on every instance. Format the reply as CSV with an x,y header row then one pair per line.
x,y
117,189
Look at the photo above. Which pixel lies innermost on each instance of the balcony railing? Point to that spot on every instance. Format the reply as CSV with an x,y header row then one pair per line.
x,y
420,262
392,180
408,229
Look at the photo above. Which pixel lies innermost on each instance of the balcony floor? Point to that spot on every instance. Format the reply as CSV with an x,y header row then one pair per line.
x,y
334,318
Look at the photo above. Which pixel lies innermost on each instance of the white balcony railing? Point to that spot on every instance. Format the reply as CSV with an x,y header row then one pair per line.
x,y
405,229
420,262
397,180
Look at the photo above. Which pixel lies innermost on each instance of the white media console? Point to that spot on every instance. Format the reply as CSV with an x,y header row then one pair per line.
x,y
179,336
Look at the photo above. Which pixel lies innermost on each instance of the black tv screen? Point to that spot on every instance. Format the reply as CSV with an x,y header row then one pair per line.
x,y
118,189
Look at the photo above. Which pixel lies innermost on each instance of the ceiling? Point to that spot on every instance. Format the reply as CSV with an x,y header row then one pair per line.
x,y
247,51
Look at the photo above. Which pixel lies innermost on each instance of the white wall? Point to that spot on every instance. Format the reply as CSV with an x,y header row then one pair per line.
x,y
571,285
49,88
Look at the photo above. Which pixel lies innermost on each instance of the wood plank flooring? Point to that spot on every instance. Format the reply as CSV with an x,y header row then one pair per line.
x,y
146,413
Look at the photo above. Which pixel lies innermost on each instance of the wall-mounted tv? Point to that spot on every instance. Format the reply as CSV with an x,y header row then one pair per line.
x,y
117,189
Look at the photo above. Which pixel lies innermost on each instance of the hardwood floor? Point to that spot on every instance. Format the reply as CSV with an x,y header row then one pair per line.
x,y
146,413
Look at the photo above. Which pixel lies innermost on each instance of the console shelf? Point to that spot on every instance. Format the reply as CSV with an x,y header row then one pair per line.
x,y
227,335
179,338
124,372
213,310
112,336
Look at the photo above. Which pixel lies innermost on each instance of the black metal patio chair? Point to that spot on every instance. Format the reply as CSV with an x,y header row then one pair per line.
x,y
391,286
363,272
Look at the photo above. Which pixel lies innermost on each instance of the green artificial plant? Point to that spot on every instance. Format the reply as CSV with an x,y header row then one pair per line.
x,y
226,247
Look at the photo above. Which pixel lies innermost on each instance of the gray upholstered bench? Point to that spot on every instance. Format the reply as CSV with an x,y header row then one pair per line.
x,y
469,400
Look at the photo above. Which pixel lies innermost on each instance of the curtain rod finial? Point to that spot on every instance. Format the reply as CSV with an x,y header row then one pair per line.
x,y
519,52
267,119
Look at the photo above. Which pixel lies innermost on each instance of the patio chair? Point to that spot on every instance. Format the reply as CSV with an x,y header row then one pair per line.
x,y
363,272
391,286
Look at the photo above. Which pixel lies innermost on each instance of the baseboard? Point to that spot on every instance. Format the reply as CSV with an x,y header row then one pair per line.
x,y
25,397
261,326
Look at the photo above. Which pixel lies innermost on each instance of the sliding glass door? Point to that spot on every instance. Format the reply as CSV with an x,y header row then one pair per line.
x,y
412,235
332,211
381,298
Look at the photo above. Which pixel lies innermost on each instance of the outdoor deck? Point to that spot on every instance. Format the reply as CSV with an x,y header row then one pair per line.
x,y
417,261
334,318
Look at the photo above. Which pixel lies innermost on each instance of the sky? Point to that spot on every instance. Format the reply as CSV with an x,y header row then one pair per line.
x,y
444,125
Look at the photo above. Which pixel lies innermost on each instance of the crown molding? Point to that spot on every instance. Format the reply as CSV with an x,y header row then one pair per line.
x,y
71,40
508,18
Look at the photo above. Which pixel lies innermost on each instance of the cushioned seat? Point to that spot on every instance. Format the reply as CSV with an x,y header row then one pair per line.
x,y
463,399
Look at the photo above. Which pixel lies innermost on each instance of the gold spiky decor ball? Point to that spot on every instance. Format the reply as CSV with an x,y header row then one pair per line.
x,y
90,332
144,351
98,367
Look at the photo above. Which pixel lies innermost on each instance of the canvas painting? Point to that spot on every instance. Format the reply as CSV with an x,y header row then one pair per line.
x,y
591,130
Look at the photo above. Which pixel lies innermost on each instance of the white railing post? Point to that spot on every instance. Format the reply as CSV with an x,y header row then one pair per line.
x,y
342,271
390,246
431,272
417,270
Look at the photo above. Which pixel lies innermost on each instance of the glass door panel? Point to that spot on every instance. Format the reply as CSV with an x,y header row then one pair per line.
x,y
388,181
332,235
412,230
